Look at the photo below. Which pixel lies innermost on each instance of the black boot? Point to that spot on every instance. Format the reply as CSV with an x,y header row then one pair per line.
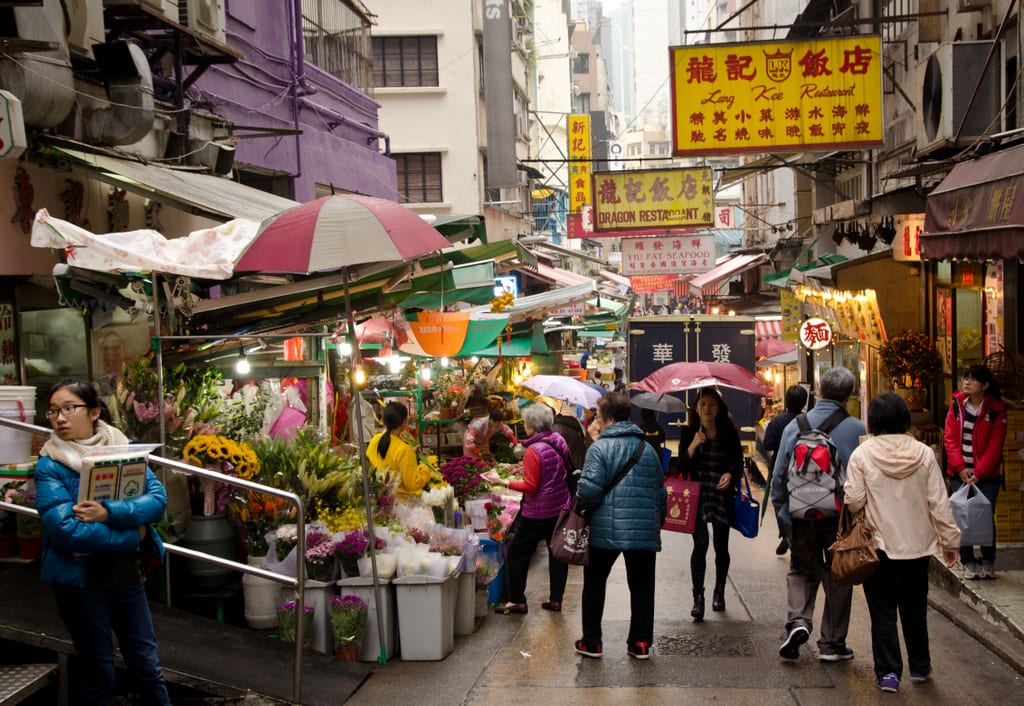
x,y
718,598
697,613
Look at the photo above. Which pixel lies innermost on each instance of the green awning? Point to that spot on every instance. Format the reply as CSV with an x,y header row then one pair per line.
x,y
781,279
523,345
483,335
472,283
499,252
458,228
432,300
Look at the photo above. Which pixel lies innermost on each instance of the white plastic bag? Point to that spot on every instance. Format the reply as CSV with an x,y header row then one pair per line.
x,y
972,513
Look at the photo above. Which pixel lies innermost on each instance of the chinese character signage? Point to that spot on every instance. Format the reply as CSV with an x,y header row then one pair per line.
x,y
674,254
906,246
769,96
8,346
815,334
648,284
661,198
579,162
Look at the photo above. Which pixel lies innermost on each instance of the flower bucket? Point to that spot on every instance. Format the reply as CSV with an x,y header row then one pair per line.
x,y
261,597
212,534
350,652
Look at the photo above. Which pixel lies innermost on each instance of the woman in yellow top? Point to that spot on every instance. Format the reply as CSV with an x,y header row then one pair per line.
x,y
387,450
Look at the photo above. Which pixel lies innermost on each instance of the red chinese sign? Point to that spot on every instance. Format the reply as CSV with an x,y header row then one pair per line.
x,y
769,96
647,284
815,334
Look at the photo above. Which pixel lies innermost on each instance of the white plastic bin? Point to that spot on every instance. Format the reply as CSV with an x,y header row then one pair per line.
x,y
426,620
465,605
362,586
19,403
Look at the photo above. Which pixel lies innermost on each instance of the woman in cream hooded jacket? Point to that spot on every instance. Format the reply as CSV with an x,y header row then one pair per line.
x,y
899,484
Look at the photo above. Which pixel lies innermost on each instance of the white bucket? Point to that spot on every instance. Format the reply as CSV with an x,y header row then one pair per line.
x,y
16,402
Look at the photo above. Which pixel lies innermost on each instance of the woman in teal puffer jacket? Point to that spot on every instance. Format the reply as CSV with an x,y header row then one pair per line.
x,y
626,519
91,551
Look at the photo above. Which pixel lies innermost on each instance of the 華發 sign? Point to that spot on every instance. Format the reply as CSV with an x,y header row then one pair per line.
x,y
656,198
768,96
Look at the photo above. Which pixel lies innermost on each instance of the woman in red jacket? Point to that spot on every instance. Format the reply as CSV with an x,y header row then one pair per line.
x,y
975,432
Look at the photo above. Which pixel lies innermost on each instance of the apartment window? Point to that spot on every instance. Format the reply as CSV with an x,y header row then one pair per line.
x,y
581,64
581,103
404,61
419,177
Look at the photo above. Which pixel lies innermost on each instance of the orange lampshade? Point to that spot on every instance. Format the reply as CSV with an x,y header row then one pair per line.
x,y
441,333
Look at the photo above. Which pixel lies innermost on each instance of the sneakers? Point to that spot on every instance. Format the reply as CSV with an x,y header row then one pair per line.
x,y
782,548
986,570
920,676
970,571
639,650
791,647
583,649
843,655
890,682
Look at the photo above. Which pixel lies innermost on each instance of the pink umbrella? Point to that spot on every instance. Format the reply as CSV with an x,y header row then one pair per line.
x,y
772,346
689,376
335,232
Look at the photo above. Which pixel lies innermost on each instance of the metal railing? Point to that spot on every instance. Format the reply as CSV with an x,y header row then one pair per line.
x,y
298,582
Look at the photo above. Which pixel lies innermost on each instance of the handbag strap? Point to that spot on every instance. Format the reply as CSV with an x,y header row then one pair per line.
x,y
628,467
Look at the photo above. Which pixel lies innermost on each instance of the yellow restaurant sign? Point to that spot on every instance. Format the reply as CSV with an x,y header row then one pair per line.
x,y
657,198
579,162
769,96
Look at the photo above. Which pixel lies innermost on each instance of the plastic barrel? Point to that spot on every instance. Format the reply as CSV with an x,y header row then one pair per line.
x,y
16,402
212,534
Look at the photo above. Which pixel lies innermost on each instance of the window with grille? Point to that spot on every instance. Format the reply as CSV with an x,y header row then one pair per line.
x,y
419,177
581,64
404,61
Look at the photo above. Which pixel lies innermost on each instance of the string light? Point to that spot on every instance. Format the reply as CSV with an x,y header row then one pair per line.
x,y
242,366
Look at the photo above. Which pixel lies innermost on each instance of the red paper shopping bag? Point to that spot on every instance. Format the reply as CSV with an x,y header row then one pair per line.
x,y
682,505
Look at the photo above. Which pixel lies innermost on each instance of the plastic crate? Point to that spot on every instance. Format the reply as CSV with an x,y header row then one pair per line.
x,y
426,617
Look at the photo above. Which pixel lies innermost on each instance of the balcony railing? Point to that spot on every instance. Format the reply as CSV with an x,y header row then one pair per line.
x,y
336,37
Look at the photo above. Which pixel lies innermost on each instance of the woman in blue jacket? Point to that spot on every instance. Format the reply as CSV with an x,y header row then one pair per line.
x,y
625,519
91,551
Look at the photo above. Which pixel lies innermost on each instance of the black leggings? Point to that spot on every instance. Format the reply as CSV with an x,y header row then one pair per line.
x,y
698,559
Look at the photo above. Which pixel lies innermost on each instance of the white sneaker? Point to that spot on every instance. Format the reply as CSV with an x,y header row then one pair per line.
x,y
970,571
986,570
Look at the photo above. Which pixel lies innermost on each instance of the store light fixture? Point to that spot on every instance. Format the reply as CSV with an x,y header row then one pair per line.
x,y
242,366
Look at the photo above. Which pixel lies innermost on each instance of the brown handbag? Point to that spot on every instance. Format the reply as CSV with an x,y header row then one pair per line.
x,y
854,559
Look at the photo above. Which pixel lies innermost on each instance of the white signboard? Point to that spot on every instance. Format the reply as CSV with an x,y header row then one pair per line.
x,y
670,254
906,246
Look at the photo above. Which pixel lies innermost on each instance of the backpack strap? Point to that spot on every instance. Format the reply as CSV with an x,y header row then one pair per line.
x,y
833,420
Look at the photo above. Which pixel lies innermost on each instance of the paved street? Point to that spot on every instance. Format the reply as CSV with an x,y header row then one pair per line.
x,y
731,658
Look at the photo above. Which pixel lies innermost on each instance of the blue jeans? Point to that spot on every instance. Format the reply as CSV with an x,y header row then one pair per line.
x,y
989,487
92,617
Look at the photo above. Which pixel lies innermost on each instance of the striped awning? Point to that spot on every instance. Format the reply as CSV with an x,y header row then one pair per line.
x,y
765,329
708,283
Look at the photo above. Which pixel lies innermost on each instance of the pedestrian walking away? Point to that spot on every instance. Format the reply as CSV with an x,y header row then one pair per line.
x,y
809,540
625,519
896,480
91,551
796,398
974,436
711,454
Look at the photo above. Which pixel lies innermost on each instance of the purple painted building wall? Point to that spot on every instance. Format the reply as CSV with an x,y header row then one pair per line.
x,y
273,88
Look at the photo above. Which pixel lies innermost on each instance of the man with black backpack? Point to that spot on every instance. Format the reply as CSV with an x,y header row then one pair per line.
x,y
808,477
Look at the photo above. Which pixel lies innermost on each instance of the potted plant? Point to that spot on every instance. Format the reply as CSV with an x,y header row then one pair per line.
x,y
286,624
348,620
911,363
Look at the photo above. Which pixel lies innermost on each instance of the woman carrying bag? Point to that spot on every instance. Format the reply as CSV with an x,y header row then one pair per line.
x,y
898,483
974,436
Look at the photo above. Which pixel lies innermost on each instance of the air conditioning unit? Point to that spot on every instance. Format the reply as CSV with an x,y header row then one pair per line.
x,y
167,8
207,18
946,81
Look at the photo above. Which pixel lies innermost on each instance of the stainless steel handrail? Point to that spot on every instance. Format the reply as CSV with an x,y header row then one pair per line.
x,y
298,582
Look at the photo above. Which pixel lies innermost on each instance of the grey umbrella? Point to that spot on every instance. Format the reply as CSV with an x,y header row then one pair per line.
x,y
658,402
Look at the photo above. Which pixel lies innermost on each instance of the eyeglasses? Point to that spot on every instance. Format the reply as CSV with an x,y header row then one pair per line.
x,y
67,410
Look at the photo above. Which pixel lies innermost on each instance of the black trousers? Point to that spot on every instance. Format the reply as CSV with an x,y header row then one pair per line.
x,y
639,578
520,552
899,588
699,555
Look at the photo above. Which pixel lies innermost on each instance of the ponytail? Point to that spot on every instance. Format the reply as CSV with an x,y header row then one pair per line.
x,y
394,416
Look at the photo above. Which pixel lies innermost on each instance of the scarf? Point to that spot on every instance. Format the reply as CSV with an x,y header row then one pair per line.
x,y
69,453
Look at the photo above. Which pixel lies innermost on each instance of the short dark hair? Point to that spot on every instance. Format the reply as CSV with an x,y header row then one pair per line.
x,y
888,414
496,415
796,398
614,406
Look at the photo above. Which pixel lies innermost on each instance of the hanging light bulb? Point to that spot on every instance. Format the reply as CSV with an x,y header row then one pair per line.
x,y
242,366
359,375
444,362
344,349
394,363
425,374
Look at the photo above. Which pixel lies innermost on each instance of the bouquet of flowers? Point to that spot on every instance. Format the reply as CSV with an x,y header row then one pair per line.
x,y
285,539
257,514
219,453
463,475
450,390
321,550
353,547
24,494
909,359
348,619
286,622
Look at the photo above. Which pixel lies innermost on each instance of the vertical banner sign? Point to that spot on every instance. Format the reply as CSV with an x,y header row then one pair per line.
x,y
906,246
658,198
579,162
769,96
8,345
501,126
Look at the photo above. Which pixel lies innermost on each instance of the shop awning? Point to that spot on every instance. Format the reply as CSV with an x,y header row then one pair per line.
x,y
214,197
521,345
765,329
540,305
977,211
458,228
707,283
561,277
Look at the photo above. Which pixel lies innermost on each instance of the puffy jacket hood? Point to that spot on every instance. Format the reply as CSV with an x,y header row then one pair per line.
x,y
896,455
622,429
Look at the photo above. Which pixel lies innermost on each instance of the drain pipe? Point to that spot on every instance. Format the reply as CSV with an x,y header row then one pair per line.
x,y
298,66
